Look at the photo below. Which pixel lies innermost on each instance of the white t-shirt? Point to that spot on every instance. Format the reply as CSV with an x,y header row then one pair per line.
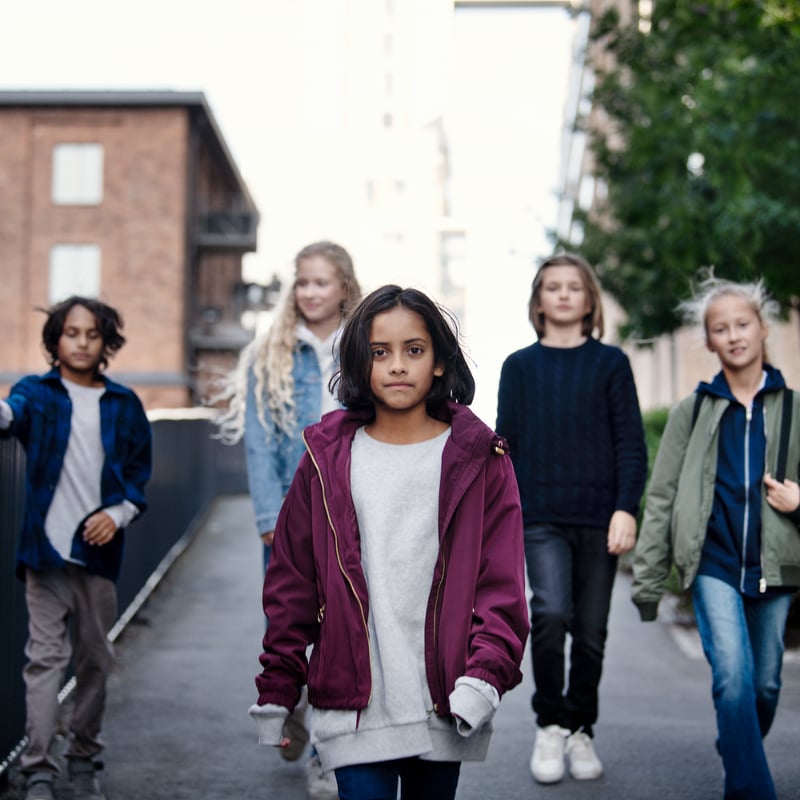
x,y
78,490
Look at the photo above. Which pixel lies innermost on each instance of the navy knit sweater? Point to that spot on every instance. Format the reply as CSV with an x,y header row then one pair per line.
x,y
571,417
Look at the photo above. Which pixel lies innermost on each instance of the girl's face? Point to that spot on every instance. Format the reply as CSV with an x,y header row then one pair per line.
x,y
80,346
319,293
403,360
735,332
563,299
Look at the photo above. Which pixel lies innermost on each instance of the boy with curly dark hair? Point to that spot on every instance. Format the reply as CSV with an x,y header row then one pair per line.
x,y
88,457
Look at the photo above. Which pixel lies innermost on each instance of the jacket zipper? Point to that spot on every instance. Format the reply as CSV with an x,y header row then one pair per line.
x,y
436,613
762,581
746,520
339,561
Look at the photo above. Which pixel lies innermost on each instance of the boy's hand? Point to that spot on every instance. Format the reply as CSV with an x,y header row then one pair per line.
x,y
621,533
99,529
784,496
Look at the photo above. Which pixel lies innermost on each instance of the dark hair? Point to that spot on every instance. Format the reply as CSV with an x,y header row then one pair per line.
x,y
351,382
107,319
593,321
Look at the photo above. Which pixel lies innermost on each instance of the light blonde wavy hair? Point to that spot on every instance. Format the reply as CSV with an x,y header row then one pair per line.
x,y
711,288
271,356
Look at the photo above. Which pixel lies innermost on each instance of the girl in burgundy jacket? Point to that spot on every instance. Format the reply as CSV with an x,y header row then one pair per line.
x,y
398,555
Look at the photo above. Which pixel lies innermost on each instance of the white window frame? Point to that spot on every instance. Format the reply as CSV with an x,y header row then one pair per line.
x,y
74,269
78,173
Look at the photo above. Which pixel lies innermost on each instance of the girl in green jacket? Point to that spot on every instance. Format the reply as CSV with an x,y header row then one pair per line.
x,y
724,506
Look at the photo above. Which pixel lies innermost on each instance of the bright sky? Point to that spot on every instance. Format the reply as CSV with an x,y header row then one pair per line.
x,y
503,112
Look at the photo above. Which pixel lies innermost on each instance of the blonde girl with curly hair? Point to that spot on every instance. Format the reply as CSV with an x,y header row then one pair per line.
x,y
280,386
281,382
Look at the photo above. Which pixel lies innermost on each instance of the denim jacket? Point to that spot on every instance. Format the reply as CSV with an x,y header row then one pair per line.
x,y
272,455
42,419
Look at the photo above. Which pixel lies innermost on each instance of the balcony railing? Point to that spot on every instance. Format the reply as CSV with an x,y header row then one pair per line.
x,y
226,230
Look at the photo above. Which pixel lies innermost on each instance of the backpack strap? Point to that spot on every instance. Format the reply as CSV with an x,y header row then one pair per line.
x,y
698,401
783,445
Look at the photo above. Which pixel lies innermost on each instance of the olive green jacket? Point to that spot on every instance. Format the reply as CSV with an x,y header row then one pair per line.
x,y
681,495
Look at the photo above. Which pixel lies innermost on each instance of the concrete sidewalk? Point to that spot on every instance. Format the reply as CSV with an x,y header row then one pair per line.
x,y
177,724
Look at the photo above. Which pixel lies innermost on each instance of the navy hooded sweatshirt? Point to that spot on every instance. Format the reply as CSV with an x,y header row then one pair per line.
x,y
732,547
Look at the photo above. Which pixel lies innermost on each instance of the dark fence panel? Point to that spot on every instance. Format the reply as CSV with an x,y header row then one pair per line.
x,y
190,468
13,615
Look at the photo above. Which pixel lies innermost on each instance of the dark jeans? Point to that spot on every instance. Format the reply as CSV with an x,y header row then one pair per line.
x,y
571,575
419,780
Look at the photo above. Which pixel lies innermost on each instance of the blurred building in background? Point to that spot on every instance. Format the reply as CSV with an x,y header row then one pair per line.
x,y
134,198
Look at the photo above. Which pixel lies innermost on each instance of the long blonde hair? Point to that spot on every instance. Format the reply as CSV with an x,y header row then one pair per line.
x,y
270,357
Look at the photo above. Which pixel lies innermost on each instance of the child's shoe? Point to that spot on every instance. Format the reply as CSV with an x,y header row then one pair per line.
x,y
39,788
83,779
547,761
320,785
294,729
584,765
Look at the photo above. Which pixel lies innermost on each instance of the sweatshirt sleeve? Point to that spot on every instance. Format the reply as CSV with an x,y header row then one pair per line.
x,y
627,430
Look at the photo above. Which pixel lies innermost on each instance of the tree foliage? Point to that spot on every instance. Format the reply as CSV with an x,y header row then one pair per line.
x,y
699,153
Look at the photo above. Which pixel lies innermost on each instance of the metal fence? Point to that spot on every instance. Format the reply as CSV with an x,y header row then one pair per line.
x,y
190,468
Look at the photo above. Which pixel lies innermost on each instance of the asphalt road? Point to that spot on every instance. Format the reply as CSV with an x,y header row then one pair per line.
x,y
177,724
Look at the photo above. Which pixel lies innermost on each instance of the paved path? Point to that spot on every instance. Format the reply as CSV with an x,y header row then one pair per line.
x,y
177,724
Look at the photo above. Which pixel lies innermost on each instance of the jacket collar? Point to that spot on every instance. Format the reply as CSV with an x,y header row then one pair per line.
x,y
54,376
718,387
467,430
470,444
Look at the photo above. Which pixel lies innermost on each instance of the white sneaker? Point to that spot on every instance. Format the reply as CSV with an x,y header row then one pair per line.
x,y
320,785
584,765
547,761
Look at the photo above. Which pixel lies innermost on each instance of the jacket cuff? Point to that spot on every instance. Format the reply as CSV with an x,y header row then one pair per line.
x,y
266,522
473,703
648,611
6,415
269,720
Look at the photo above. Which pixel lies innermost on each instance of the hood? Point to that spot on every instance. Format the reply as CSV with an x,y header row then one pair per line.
x,y
337,427
470,444
718,387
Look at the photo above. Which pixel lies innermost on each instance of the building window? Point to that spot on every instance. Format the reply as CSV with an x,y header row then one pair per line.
x,y
74,269
77,174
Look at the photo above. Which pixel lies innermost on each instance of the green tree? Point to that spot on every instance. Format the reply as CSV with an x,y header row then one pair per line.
x,y
700,156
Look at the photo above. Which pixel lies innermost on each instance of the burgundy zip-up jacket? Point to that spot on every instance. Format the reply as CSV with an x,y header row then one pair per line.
x,y
315,591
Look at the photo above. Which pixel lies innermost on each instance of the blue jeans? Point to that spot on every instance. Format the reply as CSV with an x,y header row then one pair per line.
x,y
571,575
743,641
419,780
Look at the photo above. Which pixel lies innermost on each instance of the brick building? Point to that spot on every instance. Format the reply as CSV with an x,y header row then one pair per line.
x,y
132,197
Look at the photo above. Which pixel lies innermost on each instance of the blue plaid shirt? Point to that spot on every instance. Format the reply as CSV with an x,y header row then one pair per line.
x,y
42,421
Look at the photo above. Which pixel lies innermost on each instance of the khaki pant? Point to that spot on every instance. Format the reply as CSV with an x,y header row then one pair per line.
x,y
70,613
